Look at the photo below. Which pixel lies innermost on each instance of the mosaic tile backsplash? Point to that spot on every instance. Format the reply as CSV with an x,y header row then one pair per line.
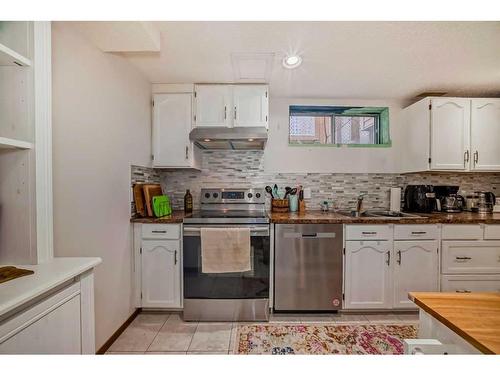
x,y
246,168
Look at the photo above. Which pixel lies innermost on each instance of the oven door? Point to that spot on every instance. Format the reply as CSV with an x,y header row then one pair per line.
x,y
235,285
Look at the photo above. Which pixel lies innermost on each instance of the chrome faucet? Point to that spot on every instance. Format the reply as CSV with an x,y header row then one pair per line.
x,y
359,205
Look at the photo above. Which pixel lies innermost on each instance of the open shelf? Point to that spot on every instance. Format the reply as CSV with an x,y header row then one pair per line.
x,y
11,57
14,143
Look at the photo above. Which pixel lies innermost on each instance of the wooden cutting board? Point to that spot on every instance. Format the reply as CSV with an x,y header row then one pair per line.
x,y
150,191
139,200
10,273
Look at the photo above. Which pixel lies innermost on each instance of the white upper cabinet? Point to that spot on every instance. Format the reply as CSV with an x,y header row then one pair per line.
x,y
250,105
485,134
450,124
367,274
161,270
213,105
231,105
415,270
171,126
451,134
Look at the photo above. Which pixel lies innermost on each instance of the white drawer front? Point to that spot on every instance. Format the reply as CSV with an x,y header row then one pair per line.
x,y
368,232
462,232
470,283
467,257
492,232
161,231
411,232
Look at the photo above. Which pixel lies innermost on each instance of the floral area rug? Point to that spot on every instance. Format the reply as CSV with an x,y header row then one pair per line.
x,y
322,339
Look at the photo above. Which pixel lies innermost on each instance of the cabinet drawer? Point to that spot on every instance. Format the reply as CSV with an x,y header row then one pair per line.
x,y
161,231
492,232
410,232
368,232
470,283
467,257
462,232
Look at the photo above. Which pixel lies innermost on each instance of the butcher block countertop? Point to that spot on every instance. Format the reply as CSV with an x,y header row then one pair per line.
x,y
473,316
330,217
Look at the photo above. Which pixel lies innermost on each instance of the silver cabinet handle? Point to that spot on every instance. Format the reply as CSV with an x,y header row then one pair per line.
x,y
368,233
463,258
399,257
225,112
158,231
175,257
418,233
388,258
187,151
466,157
462,291
235,112
476,157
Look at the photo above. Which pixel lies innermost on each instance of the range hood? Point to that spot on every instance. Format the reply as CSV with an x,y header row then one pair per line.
x,y
221,138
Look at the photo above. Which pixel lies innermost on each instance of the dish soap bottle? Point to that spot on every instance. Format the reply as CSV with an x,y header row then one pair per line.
x,y
188,202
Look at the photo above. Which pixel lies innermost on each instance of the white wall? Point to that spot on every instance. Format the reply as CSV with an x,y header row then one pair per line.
x,y
101,125
279,157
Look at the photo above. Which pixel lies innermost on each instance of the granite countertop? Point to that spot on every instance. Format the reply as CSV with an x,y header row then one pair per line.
x,y
176,217
319,217
473,316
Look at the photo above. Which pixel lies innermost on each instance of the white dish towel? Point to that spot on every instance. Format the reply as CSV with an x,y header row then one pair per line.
x,y
225,250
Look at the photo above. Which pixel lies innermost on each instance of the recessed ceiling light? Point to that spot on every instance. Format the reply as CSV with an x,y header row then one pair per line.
x,y
250,139
207,139
292,61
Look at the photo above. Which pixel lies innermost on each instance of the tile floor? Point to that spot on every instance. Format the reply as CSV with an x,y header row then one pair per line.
x,y
167,333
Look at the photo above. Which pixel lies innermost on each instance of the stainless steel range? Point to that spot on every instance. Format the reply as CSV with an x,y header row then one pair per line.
x,y
233,296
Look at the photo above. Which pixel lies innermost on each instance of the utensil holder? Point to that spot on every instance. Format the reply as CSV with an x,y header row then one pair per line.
x,y
294,203
279,205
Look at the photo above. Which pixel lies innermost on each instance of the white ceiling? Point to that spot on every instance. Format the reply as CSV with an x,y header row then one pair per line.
x,y
364,60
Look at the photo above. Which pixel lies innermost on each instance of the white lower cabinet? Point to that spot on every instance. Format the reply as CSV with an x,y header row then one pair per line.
x,y
415,270
160,268
367,274
470,283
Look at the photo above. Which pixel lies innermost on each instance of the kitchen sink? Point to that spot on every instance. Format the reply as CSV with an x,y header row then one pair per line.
x,y
384,214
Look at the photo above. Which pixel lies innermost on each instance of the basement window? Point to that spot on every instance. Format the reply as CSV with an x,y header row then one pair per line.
x,y
335,126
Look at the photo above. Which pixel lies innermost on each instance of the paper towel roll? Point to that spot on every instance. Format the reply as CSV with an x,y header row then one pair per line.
x,y
395,205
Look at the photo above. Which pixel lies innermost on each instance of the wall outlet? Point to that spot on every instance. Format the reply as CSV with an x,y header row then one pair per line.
x,y
307,193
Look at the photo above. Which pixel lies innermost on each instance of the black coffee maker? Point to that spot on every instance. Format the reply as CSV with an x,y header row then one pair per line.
x,y
419,198
448,199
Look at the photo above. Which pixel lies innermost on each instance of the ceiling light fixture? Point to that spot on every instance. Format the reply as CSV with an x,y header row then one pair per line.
x,y
207,140
250,139
292,61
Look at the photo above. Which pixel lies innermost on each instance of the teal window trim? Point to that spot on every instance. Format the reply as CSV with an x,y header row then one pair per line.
x,y
382,113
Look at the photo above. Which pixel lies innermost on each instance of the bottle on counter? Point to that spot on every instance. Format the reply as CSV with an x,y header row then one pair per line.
x,y
188,202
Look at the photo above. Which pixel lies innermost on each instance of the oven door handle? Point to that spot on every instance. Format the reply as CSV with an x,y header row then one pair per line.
x,y
197,230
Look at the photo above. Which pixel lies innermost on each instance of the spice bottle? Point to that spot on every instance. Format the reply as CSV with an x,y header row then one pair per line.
x,y
188,202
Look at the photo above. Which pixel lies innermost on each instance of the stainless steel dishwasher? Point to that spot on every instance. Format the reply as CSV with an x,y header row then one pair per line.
x,y
308,267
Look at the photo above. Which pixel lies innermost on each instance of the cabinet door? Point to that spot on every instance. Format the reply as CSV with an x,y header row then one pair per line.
x,y
450,127
161,276
213,105
367,276
485,134
250,105
415,270
171,127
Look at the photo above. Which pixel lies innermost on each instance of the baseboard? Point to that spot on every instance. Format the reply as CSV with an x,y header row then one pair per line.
x,y
103,349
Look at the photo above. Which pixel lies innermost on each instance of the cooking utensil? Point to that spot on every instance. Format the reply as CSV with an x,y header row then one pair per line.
x,y
293,191
139,200
269,190
275,191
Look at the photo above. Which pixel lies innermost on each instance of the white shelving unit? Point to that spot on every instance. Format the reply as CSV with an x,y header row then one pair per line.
x,y
9,57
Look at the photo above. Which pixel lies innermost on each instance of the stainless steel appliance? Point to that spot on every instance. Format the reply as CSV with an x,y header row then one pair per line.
x,y
448,199
308,267
234,296
419,198
235,138
486,201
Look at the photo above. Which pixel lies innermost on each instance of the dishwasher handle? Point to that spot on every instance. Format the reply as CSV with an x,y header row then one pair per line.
x,y
310,235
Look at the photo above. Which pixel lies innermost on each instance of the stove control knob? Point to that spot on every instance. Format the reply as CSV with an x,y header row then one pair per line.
x,y
249,195
207,195
257,195
215,195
